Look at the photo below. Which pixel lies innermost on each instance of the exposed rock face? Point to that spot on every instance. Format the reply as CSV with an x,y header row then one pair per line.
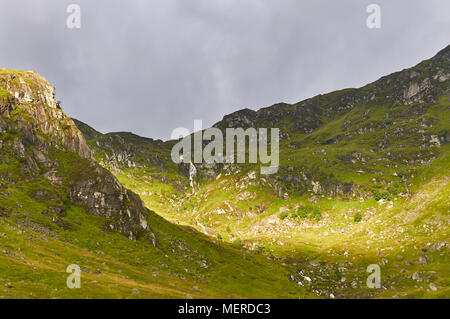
x,y
34,130
124,149
243,118
305,115
32,97
103,195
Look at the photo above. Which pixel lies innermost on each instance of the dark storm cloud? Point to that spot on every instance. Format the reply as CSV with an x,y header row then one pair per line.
x,y
151,66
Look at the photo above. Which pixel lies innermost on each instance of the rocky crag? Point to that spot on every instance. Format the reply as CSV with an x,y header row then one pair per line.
x,y
40,143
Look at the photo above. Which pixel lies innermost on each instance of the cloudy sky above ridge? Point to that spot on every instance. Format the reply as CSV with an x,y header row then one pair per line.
x,y
149,66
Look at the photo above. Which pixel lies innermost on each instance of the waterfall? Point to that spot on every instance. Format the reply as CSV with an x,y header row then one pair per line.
x,y
192,173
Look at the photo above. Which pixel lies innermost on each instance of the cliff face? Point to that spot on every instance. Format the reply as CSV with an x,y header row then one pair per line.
x,y
29,98
39,143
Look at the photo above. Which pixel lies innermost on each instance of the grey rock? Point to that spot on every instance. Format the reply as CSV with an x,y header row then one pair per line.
x,y
423,260
438,246
135,291
417,276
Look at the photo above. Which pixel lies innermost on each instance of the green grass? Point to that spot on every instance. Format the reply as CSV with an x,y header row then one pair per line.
x,y
347,225
36,266
368,186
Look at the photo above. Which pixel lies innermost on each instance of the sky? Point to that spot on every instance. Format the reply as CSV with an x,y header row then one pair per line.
x,y
150,66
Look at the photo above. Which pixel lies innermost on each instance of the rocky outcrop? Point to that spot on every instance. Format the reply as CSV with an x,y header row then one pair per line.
x,y
30,104
243,118
35,133
103,195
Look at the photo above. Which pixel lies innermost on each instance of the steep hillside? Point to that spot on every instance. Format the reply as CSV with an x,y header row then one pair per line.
x,y
363,179
59,207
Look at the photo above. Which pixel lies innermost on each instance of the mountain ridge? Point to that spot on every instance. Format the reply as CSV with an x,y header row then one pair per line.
x,y
354,166
363,179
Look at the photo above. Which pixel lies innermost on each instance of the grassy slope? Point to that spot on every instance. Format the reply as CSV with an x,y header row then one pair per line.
x,y
395,231
35,251
334,250
383,151
36,248
35,263
396,236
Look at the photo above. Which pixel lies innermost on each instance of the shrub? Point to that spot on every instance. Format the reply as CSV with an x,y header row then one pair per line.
x,y
283,215
394,188
219,237
308,212
381,194
337,274
316,213
302,212
358,217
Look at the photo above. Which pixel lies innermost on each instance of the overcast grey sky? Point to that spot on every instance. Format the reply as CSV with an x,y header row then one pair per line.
x,y
149,66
